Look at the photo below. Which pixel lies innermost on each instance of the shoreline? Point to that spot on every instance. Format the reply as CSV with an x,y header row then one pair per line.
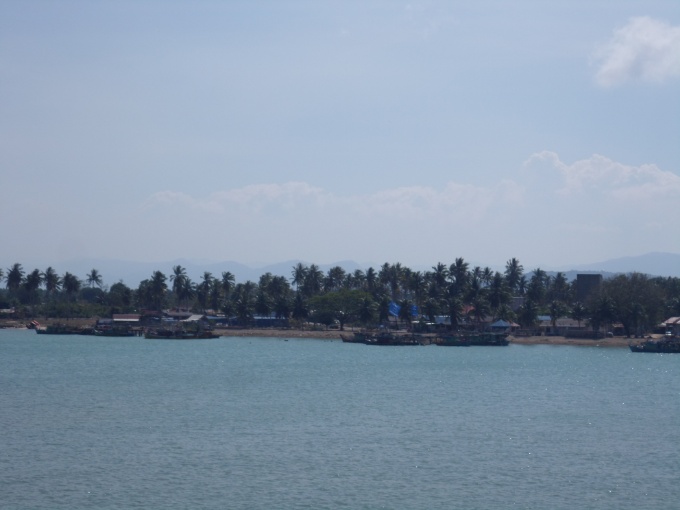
x,y
335,334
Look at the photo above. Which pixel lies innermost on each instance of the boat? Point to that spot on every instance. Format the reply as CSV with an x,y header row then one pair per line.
x,y
115,331
382,338
60,329
178,334
477,339
453,341
669,344
389,338
354,338
489,339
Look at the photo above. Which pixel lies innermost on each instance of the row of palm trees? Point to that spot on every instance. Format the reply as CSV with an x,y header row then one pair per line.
x,y
463,293
18,283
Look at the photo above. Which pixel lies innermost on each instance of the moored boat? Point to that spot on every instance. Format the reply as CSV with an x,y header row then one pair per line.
x,y
669,344
453,341
114,332
354,338
178,334
477,339
60,329
383,338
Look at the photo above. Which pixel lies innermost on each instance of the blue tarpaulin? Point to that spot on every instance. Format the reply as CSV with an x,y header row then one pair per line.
x,y
395,308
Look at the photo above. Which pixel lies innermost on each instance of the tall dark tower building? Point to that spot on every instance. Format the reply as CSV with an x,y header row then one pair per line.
x,y
587,285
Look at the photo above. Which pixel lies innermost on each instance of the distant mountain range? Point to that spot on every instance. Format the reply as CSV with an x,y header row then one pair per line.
x,y
654,264
131,273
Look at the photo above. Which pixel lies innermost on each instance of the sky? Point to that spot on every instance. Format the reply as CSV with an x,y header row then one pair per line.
x,y
372,131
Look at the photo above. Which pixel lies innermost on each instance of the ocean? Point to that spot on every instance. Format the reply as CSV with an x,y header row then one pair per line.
x,y
261,423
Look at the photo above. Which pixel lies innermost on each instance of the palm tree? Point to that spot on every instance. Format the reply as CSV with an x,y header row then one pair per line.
x,y
487,275
528,314
300,310
371,280
430,308
32,284
417,285
397,274
203,290
406,312
358,279
158,287
179,280
282,306
215,298
313,281
559,287
299,275
227,283
14,278
557,310
601,312
458,274
366,310
513,274
439,275
187,292
578,312
522,285
480,307
537,286
477,274
392,276
454,307
244,302
70,285
51,280
499,294
94,278
263,305
383,308
334,278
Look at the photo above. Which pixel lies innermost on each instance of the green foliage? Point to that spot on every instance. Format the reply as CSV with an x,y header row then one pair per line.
x,y
528,314
343,305
476,294
634,300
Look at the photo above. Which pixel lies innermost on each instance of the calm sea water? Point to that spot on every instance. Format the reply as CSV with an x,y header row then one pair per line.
x,y
265,423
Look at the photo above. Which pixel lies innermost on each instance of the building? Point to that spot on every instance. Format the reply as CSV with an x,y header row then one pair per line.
x,y
587,285
672,325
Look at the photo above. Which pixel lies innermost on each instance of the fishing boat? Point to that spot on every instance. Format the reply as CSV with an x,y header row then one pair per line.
x,y
60,329
382,338
669,344
478,339
178,334
453,341
354,338
118,331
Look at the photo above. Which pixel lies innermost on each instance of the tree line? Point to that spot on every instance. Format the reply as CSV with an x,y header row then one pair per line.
x,y
466,295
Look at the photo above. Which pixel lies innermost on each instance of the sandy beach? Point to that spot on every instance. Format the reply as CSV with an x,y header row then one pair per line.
x,y
335,334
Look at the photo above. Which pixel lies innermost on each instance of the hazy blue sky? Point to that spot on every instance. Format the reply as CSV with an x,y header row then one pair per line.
x,y
329,130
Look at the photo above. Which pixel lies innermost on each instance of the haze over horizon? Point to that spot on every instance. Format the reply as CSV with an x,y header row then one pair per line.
x,y
261,132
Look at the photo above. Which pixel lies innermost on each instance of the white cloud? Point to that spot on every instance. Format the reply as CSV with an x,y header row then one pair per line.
x,y
646,49
609,178
302,200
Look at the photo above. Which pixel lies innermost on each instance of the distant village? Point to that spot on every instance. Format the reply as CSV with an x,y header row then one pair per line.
x,y
448,297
